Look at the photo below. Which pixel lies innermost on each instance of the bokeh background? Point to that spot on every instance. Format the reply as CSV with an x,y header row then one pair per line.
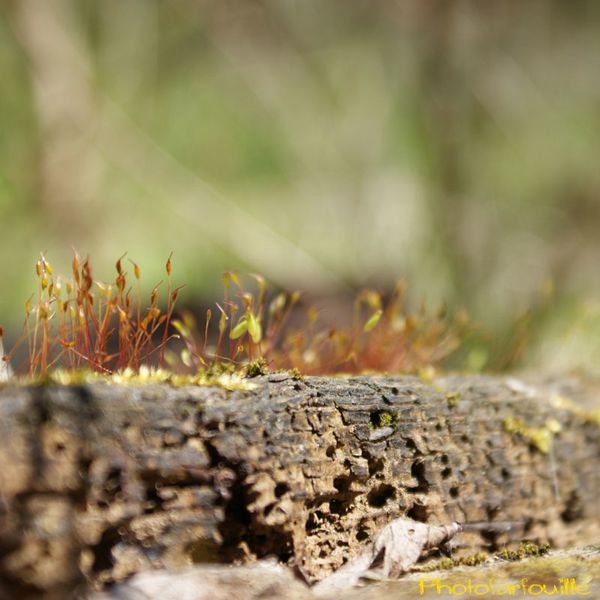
x,y
325,144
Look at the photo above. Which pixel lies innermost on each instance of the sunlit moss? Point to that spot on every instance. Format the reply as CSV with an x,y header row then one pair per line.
x,y
525,550
563,403
383,418
295,374
539,437
464,561
452,398
256,367
145,375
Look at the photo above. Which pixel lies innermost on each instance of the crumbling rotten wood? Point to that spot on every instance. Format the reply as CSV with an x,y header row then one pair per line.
x,y
101,481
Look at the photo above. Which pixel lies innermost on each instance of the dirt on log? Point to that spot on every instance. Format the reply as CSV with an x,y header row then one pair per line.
x,y
102,481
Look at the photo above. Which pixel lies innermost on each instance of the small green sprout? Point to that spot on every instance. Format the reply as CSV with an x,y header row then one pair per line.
x,y
373,320
240,329
254,327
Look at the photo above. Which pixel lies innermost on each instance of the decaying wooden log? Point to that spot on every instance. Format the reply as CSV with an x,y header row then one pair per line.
x,y
101,481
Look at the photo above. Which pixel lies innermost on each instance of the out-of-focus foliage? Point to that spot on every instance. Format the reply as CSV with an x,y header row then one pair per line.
x,y
326,145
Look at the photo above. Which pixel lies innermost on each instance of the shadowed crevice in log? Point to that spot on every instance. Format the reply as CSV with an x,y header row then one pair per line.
x,y
418,512
417,470
379,496
102,551
244,535
574,508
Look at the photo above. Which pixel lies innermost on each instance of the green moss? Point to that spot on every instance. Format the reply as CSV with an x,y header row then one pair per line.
x,y
296,375
224,378
588,416
255,368
525,550
475,559
386,420
452,398
221,368
446,564
383,418
539,437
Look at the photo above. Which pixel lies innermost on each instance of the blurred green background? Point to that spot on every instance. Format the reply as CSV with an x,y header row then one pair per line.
x,y
325,144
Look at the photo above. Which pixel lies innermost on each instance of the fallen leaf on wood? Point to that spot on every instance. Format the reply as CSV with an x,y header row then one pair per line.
x,y
397,547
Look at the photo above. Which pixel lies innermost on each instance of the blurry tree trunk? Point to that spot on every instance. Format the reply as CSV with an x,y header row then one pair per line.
x,y
447,109
77,132
64,103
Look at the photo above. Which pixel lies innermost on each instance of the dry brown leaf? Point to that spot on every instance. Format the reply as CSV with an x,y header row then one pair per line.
x,y
397,547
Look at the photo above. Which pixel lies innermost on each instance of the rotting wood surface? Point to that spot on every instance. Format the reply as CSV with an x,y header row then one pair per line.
x,y
101,481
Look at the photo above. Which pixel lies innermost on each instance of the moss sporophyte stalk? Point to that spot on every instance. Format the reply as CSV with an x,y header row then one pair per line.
x,y
80,323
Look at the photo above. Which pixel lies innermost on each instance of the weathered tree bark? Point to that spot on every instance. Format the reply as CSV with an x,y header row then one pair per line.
x,y
101,481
